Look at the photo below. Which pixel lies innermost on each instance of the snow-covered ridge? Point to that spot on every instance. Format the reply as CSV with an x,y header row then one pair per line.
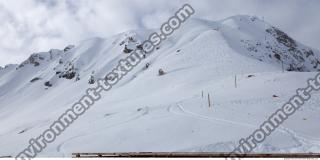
x,y
245,34
248,35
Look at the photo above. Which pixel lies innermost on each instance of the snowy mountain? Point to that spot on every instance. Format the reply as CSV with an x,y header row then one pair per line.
x,y
147,112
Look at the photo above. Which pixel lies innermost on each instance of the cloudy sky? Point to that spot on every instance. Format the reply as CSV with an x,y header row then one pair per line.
x,y
29,26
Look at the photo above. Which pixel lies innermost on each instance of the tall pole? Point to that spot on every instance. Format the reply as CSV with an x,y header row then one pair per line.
x,y
235,81
209,103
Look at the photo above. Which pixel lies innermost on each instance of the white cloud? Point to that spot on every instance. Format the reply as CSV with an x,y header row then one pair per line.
x,y
38,25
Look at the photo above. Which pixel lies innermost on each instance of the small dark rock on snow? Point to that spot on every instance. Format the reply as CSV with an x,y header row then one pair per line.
x,y
161,72
48,84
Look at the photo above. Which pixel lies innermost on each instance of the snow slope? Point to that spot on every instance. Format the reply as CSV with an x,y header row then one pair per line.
x,y
147,112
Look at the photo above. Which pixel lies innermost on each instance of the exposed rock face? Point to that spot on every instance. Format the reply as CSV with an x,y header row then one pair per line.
x,y
130,44
68,71
282,37
34,60
283,50
37,59
299,54
69,75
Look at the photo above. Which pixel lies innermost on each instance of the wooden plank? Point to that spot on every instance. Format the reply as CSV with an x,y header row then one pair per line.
x,y
197,154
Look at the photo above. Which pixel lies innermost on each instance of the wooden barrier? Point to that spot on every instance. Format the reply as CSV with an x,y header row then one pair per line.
x,y
195,154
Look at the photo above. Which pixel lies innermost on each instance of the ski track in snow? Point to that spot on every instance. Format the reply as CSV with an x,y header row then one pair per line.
x,y
301,141
210,119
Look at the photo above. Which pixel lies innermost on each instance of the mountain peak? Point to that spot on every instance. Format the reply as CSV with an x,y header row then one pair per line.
x,y
267,43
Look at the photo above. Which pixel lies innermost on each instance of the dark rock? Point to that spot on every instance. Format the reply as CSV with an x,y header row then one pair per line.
x,y
48,84
68,48
22,131
309,53
161,72
127,50
277,56
69,75
36,64
35,79
147,65
139,47
78,77
91,80
122,43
